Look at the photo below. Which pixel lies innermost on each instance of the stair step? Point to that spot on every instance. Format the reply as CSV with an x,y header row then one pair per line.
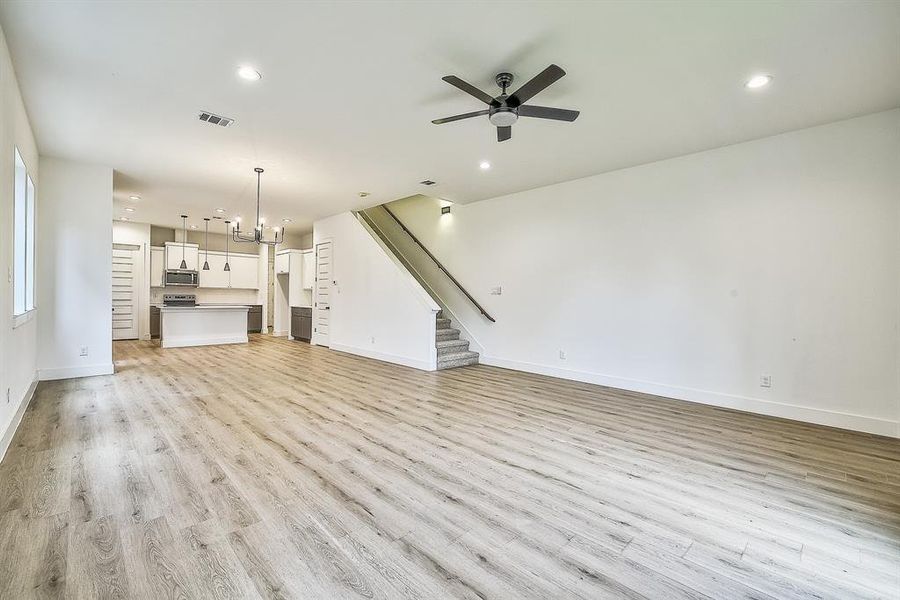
x,y
446,347
457,359
447,334
442,323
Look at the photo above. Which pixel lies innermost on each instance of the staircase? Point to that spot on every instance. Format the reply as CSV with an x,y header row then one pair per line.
x,y
451,351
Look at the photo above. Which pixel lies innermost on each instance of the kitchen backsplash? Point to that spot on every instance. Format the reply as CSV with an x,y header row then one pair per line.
x,y
208,296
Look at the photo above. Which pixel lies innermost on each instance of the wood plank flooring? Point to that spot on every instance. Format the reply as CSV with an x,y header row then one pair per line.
x,y
281,470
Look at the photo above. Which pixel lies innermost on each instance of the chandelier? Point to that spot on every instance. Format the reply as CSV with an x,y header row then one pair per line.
x,y
257,235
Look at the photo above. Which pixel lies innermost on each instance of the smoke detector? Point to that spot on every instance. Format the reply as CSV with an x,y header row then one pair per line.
x,y
213,119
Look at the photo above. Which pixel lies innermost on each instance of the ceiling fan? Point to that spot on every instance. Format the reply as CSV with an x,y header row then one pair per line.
x,y
505,109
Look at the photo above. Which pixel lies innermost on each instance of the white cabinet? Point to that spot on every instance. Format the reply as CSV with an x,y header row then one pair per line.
x,y
308,276
217,276
174,255
157,266
283,262
244,271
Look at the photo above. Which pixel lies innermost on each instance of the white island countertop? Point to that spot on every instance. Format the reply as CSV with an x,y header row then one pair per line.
x,y
205,307
203,325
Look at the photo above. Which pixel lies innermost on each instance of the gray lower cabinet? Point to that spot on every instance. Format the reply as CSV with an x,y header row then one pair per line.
x,y
254,319
301,323
154,322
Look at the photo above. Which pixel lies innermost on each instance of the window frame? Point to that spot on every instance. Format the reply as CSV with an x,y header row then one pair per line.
x,y
24,208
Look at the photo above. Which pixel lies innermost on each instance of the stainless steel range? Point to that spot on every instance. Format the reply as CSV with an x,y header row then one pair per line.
x,y
179,300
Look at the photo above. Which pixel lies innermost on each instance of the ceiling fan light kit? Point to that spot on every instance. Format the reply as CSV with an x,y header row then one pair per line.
x,y
504,110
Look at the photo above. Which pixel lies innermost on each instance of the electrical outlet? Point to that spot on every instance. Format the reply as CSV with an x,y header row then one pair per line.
x,y
373,339
562,355
83,351
765,381
496,291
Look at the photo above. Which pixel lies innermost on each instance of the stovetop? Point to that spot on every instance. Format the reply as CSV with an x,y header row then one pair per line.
x,y
179,299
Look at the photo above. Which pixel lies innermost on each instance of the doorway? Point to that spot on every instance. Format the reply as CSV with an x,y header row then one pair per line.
x,y
323,293
127,275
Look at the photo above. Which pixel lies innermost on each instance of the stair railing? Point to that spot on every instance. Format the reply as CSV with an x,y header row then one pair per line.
x,y
440,266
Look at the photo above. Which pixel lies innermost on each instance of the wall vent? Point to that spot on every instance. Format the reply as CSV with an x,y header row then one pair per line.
x,y
212,119
428,182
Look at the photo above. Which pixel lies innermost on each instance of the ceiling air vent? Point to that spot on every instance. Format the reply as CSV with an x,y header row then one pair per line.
x,y
215,119
428,182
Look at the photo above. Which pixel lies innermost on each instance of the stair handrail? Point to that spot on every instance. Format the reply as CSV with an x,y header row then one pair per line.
x,y
439,265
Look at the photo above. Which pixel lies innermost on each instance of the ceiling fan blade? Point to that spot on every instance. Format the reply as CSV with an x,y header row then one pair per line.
x,y
504,133
544,112
468,88
538,83
477,113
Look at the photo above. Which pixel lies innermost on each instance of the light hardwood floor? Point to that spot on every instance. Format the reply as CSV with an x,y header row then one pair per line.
x,y
280,470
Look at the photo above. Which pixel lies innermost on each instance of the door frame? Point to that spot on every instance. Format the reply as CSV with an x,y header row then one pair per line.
x,y
137,284
316,336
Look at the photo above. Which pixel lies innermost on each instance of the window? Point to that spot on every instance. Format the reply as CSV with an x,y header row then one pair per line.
x,y
24,239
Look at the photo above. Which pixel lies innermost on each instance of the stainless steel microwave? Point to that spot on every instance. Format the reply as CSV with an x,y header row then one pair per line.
x,y
182,277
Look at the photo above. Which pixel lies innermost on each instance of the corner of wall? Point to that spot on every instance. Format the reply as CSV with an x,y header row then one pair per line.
x,y
12,426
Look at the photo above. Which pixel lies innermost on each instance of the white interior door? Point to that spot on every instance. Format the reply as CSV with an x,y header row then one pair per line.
x,y
323,292
126,282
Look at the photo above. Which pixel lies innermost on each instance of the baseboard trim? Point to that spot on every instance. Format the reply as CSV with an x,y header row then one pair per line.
x,y
391,358
794,412
182,342
13,426
73,372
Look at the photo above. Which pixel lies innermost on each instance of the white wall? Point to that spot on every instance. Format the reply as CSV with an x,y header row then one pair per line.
x,y
691,277
18,346
139,235
75,254
377,308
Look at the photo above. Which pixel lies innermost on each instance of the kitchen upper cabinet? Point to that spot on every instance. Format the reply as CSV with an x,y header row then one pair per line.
x,y
174,254
309,269
283,262
157,266
244,271
217,276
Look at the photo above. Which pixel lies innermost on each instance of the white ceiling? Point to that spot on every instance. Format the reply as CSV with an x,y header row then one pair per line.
x,y
349,91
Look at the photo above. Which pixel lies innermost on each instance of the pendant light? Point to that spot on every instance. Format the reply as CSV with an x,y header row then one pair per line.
x,y
183,240
257,236
227,266
206,259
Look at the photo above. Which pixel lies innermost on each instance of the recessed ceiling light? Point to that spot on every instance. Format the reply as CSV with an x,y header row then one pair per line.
x,y
363,194
134,197
123,219
129,209
286,221
758,81
249,73
485,165
221,211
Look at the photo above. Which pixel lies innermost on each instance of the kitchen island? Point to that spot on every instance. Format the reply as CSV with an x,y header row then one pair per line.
x,y
203,325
